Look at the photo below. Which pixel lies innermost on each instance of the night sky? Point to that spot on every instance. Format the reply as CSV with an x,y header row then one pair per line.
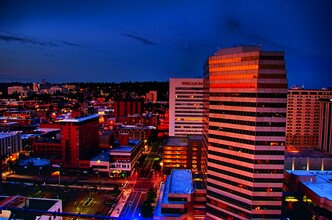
x,y
116,41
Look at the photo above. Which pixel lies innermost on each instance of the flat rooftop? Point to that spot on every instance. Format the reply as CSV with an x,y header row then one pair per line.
x,y
103,156
306,153
181,182
34,161
46,130
127,149
195,137
80,119
34,203
176,141
8,134
323,185
131,142
42,204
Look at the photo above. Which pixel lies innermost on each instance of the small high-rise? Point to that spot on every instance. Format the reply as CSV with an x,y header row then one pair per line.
x,y
303,114
244,125
185,106
325,125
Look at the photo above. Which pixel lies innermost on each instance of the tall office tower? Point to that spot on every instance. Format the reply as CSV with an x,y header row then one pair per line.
x,y
244,132
325,125
185,106
303,116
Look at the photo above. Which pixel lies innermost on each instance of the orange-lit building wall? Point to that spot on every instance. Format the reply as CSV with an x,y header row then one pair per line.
x,y
125,107
80,140
244,125
303,116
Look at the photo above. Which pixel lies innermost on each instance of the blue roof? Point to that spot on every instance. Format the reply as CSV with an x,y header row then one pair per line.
x,y
122,148
131,142
80,119
322,186
181,182
103,156
8,134
39,162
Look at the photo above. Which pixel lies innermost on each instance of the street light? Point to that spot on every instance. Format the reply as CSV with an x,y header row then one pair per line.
x,y
58,166
98,162
161,168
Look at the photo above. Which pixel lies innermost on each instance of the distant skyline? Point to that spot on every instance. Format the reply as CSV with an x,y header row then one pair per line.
x,y
116,41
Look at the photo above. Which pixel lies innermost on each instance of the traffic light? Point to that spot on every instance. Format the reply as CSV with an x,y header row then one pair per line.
x,y
123,175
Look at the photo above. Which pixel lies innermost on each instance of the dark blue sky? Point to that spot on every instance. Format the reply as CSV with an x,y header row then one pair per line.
x,y
115,41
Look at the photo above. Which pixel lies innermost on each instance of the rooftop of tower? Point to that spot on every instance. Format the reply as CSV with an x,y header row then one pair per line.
x,y
239,49
176,141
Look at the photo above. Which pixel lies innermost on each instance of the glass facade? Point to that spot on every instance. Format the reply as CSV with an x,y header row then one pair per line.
x,y
244,127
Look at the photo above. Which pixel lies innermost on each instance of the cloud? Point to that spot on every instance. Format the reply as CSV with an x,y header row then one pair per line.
x,y
49,55
141,39
254,36
232,25
28,40
72,44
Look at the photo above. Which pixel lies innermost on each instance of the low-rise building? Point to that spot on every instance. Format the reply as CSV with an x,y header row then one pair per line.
x,y
182,153
136,132
30,208
124,156
307,159
176,197
312,189
101,162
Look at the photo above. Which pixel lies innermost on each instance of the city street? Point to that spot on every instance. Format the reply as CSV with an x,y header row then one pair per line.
x,y
131,209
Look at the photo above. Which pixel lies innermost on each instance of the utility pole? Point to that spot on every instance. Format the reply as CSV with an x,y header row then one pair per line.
x,y
1,187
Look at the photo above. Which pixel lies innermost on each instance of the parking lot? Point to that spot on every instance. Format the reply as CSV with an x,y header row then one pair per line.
x,y
75,199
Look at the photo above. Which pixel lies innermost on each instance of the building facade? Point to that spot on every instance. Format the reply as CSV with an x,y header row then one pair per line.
x,y
245,92
185,106
182,153
10,142
308,190
176,197
80,140
303,116
151,96
325,125
125,107
124,156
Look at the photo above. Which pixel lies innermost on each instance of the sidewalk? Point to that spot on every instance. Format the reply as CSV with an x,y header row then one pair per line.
x,y
120,204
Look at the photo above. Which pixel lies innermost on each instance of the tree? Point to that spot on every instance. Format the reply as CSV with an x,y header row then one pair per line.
x,y
151,195
147,210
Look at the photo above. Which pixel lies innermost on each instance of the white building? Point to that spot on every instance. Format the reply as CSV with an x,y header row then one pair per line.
x,y
10,142
185,106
